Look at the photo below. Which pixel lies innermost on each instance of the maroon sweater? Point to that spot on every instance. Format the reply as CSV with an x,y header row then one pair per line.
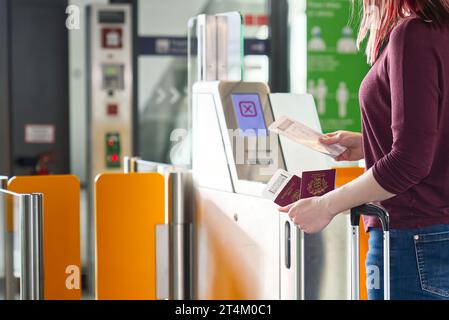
x,y
405,116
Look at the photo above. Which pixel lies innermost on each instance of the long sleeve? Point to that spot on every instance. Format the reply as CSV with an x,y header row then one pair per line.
x,y
413,71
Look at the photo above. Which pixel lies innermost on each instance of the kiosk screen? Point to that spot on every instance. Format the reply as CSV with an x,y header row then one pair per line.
x,y
250,118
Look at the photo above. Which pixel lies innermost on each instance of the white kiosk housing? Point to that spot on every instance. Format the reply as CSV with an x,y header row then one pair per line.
x,y
245,248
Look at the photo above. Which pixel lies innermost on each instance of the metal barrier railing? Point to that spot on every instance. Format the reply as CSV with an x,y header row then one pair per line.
x,y
174,239
28,222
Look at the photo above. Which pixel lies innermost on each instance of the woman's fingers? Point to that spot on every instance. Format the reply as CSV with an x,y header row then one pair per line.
x,y
292,217
330,138
286,208
345,156
329,135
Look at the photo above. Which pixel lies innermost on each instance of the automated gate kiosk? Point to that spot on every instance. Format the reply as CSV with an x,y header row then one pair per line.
x,y
245,248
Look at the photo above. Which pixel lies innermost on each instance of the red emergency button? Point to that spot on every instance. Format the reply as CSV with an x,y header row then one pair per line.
x,y
114,158
112,109
111,38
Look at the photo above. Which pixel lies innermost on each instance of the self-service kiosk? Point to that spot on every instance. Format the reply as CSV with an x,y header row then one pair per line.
x,y
246,249
110,100
110,87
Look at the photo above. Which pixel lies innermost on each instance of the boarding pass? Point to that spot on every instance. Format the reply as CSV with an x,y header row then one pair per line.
x,y
306,136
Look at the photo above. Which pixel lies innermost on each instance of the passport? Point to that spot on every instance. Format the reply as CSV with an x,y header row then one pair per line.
x,y
285,188
317,183
290,193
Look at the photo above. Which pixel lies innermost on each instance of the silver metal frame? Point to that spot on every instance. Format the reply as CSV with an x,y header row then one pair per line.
x,y
31,225
181,236
3,182
356,213
10,284
162,262
136,164
387,265
130,164
355,270
32,251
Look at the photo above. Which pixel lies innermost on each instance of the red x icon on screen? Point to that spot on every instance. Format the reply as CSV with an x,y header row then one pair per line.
x,y
248,109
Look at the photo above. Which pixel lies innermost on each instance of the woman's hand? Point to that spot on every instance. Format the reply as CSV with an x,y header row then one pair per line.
x,y
351,140
311,215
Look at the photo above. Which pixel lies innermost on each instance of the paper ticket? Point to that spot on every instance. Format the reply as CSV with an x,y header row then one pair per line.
x,y
305,136
276,184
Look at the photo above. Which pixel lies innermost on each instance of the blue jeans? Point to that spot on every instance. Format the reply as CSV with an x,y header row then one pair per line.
x,y
419,264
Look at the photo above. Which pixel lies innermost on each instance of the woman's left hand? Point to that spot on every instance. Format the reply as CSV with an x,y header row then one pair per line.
x,y
311,215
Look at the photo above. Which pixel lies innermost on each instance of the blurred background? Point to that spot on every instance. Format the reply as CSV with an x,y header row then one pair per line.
x,y
48,75
44,64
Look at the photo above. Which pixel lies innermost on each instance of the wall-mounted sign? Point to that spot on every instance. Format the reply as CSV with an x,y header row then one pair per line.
x,y
40,133
178,46
335,68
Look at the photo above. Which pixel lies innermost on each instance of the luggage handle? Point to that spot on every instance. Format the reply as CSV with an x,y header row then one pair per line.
x,y
370,210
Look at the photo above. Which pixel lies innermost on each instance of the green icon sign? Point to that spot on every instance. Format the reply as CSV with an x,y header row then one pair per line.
x,y
335,68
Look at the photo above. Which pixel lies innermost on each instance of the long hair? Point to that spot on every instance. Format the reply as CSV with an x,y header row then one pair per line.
x,y
379,18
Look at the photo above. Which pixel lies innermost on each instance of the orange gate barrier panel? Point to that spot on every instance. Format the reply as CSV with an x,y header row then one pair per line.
x,y
62,252
345,175
128,209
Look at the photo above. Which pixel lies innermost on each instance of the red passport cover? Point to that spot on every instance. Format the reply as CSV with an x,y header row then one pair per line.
x,y
291,192
317,183
312,184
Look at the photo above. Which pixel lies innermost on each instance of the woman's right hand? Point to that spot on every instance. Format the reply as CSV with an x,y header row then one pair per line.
x,y
351,140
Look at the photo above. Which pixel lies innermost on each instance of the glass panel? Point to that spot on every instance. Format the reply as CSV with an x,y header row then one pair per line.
x,y
255,32
10,252
228,61
163,84
192,59
232,38
162,77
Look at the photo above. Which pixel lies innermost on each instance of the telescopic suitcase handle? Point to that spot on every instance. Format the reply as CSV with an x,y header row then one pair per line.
x,y
371,211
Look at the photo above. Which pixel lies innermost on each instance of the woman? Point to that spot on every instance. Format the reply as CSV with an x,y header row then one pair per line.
x,y
405,142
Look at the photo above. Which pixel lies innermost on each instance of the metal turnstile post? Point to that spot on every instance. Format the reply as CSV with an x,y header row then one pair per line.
x,y
8,249
31,228
181,235
130,164
174,239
